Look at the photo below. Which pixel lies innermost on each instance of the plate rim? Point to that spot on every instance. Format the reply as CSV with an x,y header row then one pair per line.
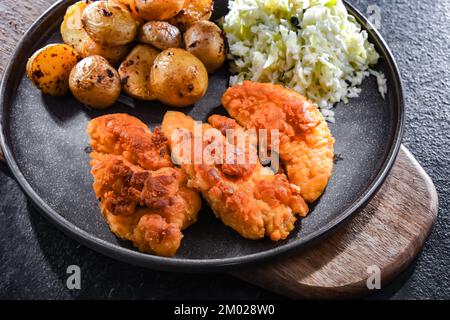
x,y
201,265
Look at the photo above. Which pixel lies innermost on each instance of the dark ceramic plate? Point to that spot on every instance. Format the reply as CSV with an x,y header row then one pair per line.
x,y
43,140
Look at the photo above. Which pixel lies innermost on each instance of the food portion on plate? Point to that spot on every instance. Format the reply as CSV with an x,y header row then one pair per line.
x,y
74,34
143,196
246,196
205,41
158,9
178,78
109,23
135,71
173,47
306,144
312,46
161,35
94,82
192,12
49,68
292,61
148,183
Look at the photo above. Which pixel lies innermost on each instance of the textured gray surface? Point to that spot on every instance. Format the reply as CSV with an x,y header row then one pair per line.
x,y
34,255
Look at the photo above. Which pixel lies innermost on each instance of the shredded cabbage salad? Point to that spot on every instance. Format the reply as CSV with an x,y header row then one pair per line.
x,y
312,46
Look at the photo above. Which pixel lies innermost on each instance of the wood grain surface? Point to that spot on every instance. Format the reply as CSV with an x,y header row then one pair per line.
x,y
388,233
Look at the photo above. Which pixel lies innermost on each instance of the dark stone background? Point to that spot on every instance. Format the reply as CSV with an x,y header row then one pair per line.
x,y
34,255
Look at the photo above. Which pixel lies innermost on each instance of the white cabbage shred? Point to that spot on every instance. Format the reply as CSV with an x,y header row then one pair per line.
x,y
312,46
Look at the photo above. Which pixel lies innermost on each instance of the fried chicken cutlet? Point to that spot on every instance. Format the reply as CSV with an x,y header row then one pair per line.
x,y
306,144
143,197
245,196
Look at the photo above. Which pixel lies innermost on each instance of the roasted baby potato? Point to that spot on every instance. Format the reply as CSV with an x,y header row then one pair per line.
x,y
109,23
114,54
204,39
131,6
49,68
192,11
94,82
178,78
135,70
158,9
73,34
160,34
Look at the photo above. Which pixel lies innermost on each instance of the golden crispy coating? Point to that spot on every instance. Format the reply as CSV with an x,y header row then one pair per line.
x,y
247,197
306,144
147,207
121,134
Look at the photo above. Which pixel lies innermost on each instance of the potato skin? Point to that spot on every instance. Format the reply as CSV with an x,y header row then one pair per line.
x,y
205,40
131,6
158,9
109,23
49,68
73,34
94,82
160,34
178,78
192,11
135,70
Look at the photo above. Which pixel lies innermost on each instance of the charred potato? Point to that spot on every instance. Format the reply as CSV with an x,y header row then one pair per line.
x,y
73,34
109,23
158,9
192,11
135,70
178,78
204,39
162,35
49,68
94,82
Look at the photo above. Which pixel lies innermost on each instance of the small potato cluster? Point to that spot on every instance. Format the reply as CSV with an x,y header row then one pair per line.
x,y
162,49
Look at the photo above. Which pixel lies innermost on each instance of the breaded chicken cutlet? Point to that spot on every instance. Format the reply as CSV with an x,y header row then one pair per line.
x,y
306,145
245,196
143,196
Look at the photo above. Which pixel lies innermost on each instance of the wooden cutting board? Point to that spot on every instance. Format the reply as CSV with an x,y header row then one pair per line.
x,y
375,244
